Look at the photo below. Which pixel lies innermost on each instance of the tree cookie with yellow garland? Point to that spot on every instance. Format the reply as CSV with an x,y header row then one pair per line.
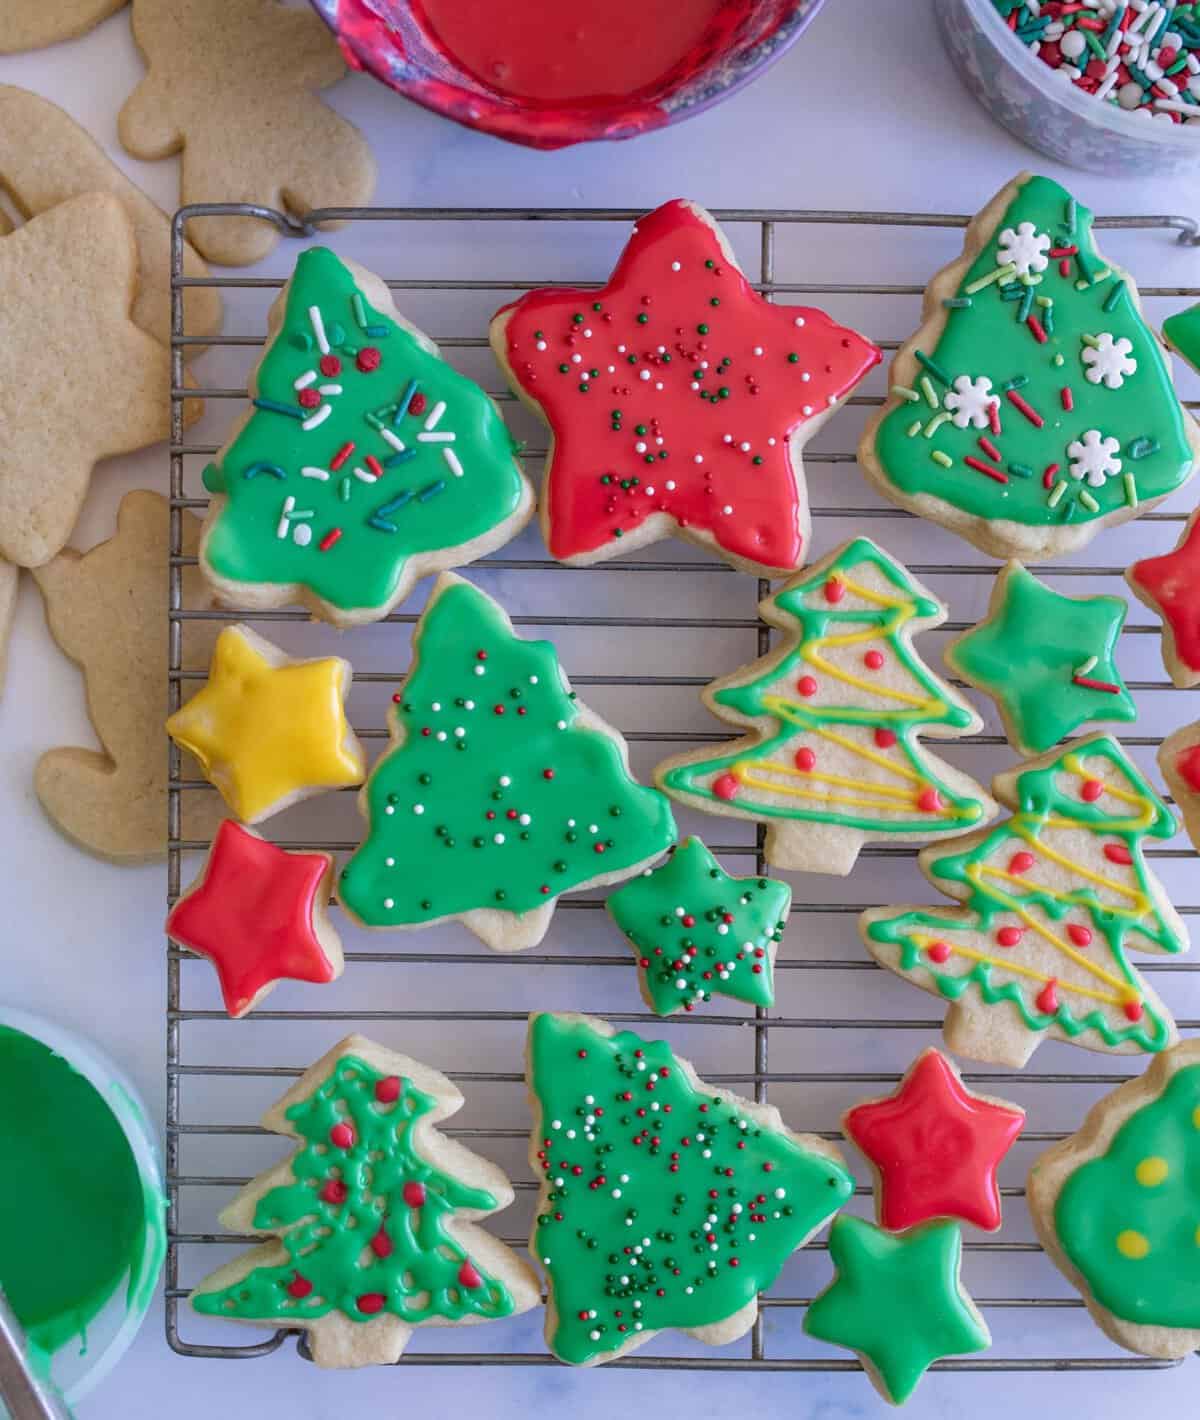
x,y
372,1221
1053,900
1117,1208
832,758
1035,405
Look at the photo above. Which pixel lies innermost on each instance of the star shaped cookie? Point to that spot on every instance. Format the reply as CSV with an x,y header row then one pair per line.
x,y
1182,333
935,1147
897,1301
1047,660
269,730
258,913
78,380
697,932
1170,587
679,400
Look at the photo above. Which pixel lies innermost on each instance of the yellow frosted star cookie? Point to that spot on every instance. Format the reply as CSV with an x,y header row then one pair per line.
x,y
270,730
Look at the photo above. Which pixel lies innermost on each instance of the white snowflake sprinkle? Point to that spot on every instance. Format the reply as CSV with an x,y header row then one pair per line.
x,y
970,401
1094,458
1109,361
1025,248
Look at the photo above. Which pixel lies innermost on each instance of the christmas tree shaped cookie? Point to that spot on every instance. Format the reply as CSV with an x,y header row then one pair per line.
x,y
1116,1206
665,1202
1170,586
1034,406
500,792
1046,659
679,400
1054,898
833,758
898,1301
371,1219
365,462
698,933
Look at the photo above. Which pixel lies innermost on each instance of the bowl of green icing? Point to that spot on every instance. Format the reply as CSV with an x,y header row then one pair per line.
x,y
82,1212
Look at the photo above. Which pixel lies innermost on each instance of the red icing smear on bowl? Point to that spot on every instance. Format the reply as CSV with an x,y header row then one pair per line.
x,y
576,51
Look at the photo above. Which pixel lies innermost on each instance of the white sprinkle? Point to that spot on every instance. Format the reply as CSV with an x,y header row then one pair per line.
x,y
329,389
541,345
744,446
649,492
307,378
800,321
318,325
640,447
281,529
533,680
390,862
389,903
497,838
311,472
318,418
504,781
727,509
396,442
453,462
302,534
524,820
576,359
758,350
441,735
676,266
670,485
616,1193
807,410
418,809
435,414
459,732
364,477
727,438
389,809
781,1193
645,375
698,458
805,377
438,438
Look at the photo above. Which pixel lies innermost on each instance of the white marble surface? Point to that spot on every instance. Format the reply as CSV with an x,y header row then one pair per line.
x,y
865,113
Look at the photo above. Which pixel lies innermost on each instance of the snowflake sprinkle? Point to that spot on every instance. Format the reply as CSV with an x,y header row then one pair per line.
x,y
1109,361
970,401
1025,248
1094,458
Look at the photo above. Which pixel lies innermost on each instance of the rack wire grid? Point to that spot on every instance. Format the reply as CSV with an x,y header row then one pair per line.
x,y
639,636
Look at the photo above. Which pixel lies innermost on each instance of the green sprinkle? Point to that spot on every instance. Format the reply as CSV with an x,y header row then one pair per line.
x,y
1056,493
936,423
903,392
1114,296
1072,213
344,490
1046,302
360,315
1020,470
933,367
302,515
1131,497
1026,306
1048,319
1017,382
957,303
1001,273
1143,447
1090,340
940,458
1088,501
929,392
1059,359
913,429
1084,262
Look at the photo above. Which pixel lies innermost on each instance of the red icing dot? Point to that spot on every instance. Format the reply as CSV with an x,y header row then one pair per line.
x,y
387,1090
1021,862
873,660
834,590
468,1275
885,739
330,365
726,786
1047,998
381,1244
341,1136
371,1302
929,800
368,359
1091,790
689,920
1118,853
938,951
334,1191
481,655
807,685
1133,1010
299,1286
547,773
1081,936
414,1193
309,399
805,759
599,847
1008,936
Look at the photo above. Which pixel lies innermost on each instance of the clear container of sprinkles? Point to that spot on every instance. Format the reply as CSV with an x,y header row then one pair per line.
x,y
1044,108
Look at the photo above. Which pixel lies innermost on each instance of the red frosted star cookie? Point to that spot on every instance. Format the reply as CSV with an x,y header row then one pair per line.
x,y
258,913
1170,586
935,1147
678,399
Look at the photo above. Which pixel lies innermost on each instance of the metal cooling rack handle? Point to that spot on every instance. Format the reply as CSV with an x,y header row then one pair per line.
x,y
20,1391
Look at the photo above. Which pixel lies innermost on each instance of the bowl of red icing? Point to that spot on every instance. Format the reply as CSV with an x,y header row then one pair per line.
x,y
547,73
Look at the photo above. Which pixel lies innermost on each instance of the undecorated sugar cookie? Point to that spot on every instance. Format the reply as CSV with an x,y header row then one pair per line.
x,y
1047,660
270,729
678,400
1170,586
234,88
632,1231
1034,406
500,792
364,463
33,24
67,283
107,611
832,758
1054,898
1116,1207
372,1219
259,913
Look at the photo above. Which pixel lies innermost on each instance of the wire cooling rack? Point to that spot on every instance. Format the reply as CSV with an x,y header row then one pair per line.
x,y
639,636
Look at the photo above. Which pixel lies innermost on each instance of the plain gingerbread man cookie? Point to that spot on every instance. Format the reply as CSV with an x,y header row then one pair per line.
x,y
78,380
33,24
234,88
107,610
46,158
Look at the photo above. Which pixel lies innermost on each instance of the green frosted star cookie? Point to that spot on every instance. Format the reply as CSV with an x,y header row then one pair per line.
x,y
1182,334
1045,659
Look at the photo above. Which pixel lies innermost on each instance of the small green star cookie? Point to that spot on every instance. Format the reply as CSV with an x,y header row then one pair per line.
x,y
897,1301
1045,659
1182,334
697,932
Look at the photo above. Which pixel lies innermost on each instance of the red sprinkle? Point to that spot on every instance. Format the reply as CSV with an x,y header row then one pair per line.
x,y
341,456
1036,327
994,417
309,399
989,448
330,365
1105,685
972,462
873,660
1049,475
1068,398
368,359
374,465
1024,406
329,539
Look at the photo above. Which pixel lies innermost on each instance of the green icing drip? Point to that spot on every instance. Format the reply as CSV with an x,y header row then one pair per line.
x,y
897,1301
1105,1199
697,932
986,339
768,691
1182,334
365,1227
519,801
663,1205
418,505
75,1218
1027,652
990,902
